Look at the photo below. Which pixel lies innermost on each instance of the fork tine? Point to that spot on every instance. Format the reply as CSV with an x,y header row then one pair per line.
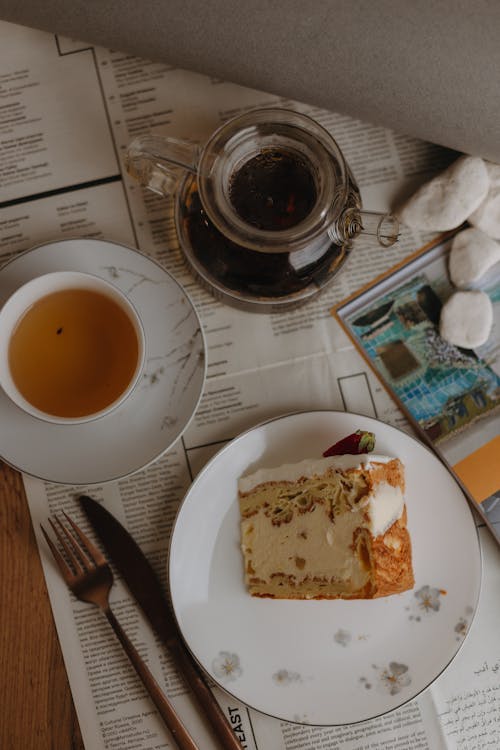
x,y
66,571
69,545
89,548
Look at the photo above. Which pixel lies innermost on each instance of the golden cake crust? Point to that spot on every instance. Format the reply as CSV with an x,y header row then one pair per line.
x,y
391,561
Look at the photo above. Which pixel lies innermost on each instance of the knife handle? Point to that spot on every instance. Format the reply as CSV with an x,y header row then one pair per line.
x,y
205,697
179,732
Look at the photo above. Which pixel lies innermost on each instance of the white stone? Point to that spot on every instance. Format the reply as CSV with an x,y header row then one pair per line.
x,y
472,254
493,172
466,319
487,216
447,200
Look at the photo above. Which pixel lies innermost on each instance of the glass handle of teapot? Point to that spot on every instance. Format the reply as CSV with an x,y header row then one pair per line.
x,y
353,221
159,163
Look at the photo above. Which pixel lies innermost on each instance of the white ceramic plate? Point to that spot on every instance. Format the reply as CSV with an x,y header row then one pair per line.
x,y
323,662
162,404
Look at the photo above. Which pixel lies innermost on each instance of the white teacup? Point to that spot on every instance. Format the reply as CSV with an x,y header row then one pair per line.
x,y
72,347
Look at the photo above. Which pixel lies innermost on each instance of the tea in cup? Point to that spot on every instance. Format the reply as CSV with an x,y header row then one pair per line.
x,y
71,347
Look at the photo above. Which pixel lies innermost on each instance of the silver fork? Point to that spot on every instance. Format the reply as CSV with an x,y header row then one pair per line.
x,y
90,578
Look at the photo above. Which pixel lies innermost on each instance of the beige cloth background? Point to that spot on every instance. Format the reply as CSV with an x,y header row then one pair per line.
x,y
427,68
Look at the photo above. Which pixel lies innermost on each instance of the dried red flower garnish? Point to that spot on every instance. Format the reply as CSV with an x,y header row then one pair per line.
x,y
354,444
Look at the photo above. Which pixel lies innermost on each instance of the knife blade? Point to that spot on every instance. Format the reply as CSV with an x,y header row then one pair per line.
x,y
147,590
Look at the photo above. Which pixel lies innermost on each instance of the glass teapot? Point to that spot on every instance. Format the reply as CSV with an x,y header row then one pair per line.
x,y
266,211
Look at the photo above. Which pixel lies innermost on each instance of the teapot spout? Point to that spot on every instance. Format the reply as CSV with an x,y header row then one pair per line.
x,y
159,163
353,221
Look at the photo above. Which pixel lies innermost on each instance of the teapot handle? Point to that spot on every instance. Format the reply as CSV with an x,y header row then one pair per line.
x,y
159,163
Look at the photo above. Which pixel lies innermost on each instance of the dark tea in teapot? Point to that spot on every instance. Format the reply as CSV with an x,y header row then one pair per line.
x,y
239,273
273,190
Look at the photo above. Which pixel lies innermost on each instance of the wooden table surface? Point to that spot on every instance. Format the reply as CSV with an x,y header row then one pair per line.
x,y
36,707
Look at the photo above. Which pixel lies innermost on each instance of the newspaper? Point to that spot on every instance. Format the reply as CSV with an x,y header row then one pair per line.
x,y
67,113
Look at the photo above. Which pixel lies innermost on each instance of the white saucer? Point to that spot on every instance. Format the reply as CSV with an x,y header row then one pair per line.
x,y
161,406
323,662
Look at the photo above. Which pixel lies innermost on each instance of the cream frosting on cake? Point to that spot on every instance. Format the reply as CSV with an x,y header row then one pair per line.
x,y
326,528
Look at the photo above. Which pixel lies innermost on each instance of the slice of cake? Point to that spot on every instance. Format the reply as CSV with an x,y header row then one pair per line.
x,y
328,528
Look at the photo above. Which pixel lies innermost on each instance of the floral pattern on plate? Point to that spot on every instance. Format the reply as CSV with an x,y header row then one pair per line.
x,y
462,626
285,677
345,637
427,600
391,679
226,666
342,637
